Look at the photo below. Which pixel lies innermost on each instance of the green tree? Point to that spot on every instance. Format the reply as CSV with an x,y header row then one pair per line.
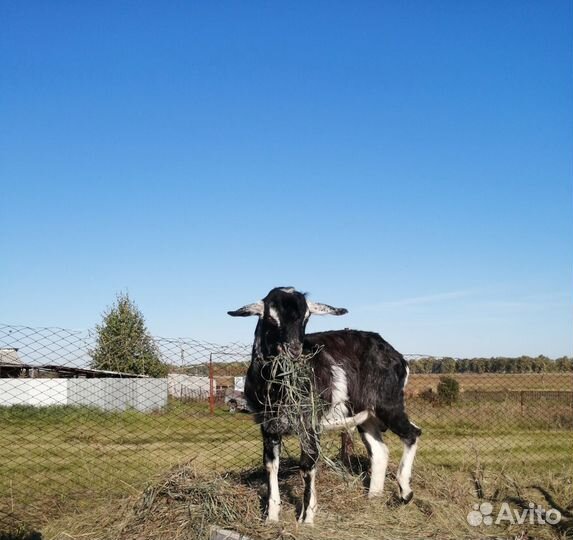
x,y
123,342
447,365
448,390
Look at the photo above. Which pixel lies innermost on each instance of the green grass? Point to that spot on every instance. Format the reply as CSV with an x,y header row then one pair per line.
x,y
58,461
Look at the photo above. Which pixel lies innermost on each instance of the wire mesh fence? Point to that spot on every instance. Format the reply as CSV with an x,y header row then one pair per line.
x,y
73,433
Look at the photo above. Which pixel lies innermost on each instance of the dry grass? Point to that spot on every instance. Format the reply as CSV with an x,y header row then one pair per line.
x,y
186,504
292,402
419,382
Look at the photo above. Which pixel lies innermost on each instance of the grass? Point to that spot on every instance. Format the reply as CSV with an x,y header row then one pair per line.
x,y
61,459
62,465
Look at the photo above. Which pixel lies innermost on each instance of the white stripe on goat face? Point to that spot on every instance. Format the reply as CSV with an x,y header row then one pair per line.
x,y
274,314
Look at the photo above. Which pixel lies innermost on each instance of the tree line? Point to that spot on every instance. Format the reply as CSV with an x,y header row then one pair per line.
x,y
124,344
500,364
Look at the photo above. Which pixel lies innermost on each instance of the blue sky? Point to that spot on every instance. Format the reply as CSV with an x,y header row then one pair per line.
x,y
411,161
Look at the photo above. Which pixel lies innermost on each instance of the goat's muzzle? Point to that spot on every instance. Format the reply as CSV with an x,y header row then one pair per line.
x,y
291,349
295,349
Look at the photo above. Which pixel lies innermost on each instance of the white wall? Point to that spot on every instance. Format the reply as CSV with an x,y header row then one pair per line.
x,y
189,386
108,394
41,392
240,383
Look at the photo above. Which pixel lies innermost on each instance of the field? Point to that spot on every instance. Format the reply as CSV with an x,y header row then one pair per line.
x,y
490,382
64,466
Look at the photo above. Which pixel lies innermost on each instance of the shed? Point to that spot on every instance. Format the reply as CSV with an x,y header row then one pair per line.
x,y
10,363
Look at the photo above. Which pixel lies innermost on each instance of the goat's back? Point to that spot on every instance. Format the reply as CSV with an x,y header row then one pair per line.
x,y
375,372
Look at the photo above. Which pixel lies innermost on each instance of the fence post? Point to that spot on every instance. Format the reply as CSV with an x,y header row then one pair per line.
x,y
521,401
346,448
211,386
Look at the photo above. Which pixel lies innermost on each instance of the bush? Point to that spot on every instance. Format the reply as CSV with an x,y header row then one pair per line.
x,y
448,390
429,395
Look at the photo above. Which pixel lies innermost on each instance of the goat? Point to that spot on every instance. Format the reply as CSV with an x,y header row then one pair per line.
x,y
359,375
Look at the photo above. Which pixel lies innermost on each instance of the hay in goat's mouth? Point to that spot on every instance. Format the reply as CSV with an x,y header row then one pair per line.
x,y
292,403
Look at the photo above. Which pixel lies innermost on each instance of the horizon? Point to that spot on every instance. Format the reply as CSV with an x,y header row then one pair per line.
x,y
37,351
411,163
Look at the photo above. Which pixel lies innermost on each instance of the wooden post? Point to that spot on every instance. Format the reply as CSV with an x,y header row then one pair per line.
x,y
346,448
521,401
211,386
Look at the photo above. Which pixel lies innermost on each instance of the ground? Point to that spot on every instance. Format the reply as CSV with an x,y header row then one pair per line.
x,y
185,504
63,468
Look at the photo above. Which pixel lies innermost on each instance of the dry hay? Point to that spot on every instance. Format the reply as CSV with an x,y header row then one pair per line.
x,y
292,404
186,505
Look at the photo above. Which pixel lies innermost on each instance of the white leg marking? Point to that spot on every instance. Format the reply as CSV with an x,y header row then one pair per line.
x,y
407,375
311,508
405,469
378,458
274,494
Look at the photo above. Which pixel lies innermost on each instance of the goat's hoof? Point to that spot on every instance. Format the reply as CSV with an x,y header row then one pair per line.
x,y
303,519
407,498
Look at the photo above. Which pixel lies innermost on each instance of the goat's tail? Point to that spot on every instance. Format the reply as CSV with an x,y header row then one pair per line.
x,y
350,422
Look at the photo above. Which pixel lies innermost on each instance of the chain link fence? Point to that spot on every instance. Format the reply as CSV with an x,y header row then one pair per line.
x,y
72,435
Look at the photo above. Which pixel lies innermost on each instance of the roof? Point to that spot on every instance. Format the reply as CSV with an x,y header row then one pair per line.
x,y
9,357
71,371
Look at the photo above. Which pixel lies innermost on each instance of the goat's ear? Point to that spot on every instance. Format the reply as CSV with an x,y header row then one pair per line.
x,y
248,310
324,309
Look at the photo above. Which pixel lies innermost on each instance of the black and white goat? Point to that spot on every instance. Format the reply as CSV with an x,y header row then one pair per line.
x,y
359,375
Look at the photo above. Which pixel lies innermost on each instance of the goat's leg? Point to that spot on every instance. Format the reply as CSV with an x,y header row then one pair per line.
x,y
378,453
308,459
405,468
409,434
271,454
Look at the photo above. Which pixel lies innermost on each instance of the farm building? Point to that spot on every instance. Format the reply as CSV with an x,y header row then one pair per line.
x,y
10,363
46,385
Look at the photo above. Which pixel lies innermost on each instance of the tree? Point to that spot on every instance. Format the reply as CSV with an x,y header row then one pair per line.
x,y
448,390
447,365
124,344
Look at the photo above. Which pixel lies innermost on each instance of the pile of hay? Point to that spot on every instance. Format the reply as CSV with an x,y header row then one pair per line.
x,y
187,505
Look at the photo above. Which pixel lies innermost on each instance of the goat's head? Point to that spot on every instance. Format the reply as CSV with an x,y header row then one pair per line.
x,y
283,315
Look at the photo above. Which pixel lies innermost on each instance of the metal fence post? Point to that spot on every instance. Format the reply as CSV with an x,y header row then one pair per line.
x,y
211,386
